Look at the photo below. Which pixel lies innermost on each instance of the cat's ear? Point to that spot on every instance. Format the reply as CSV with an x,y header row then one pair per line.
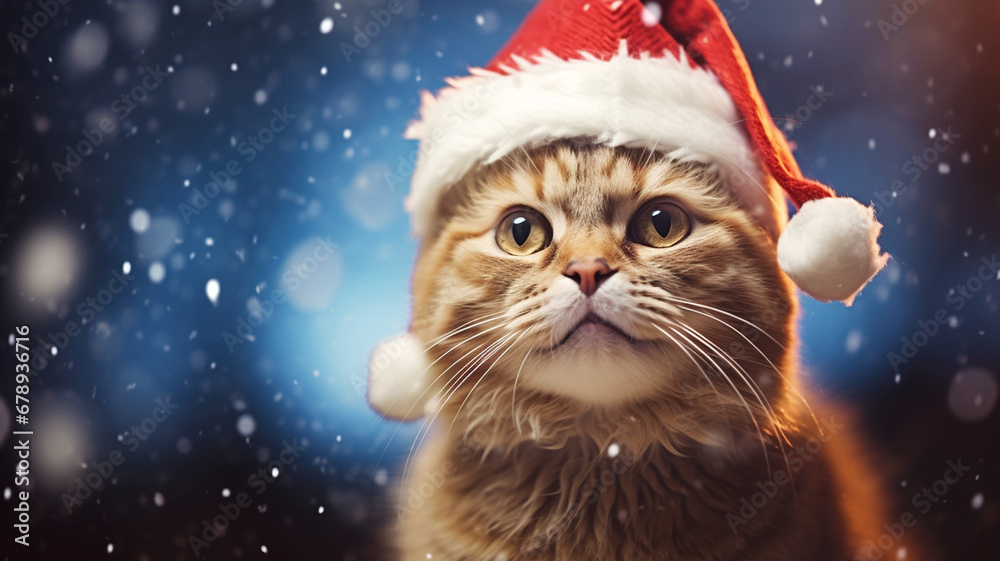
x,y
398,385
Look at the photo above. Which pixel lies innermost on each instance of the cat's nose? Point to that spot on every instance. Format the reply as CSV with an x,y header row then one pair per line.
x,y
589,273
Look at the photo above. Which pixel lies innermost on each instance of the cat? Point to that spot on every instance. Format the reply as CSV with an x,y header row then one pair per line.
x,y
616,375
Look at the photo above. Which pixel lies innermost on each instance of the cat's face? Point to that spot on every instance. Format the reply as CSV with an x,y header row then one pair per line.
x,y
606,276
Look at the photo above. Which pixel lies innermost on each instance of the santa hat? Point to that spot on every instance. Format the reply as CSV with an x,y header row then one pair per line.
x,y
671,79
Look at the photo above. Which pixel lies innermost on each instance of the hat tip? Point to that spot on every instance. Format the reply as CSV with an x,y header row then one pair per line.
x,y
397,378
830,248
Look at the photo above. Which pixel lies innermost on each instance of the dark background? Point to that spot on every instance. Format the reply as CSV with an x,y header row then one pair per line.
x,y
301,377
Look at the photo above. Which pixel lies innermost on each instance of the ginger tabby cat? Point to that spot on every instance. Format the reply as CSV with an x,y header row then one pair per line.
x,y
616,375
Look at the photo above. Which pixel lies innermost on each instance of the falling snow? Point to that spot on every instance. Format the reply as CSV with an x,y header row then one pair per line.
x,y
199,183
157,272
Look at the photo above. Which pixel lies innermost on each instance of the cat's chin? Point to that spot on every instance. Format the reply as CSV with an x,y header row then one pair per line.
x,y
597,365
593,332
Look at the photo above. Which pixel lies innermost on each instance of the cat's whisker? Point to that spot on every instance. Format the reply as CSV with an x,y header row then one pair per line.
x,y
453,347
693,345
776,423
651,149
510,166
687,352
722,372
738,368
483,376
396,431
525,320
466,326
777,370
531,161
465,366
681,301
527,156
464,373
429,420
513,394
430,386
433,343
679,304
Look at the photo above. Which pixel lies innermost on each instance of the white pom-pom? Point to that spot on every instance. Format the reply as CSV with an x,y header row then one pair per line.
x,y
830,248
398,378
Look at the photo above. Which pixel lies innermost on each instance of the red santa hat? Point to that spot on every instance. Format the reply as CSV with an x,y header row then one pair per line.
x,y
619,73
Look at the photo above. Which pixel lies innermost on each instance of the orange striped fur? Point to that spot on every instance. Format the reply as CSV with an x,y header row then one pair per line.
x,y
619,449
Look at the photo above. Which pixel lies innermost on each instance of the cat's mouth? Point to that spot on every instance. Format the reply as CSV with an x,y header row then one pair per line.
x,y
593,326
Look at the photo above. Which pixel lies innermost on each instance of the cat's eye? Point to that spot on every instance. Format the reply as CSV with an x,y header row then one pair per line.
x,y
523,232
660,224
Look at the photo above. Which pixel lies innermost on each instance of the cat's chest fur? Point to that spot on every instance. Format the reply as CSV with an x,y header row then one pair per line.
x,y
578,503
